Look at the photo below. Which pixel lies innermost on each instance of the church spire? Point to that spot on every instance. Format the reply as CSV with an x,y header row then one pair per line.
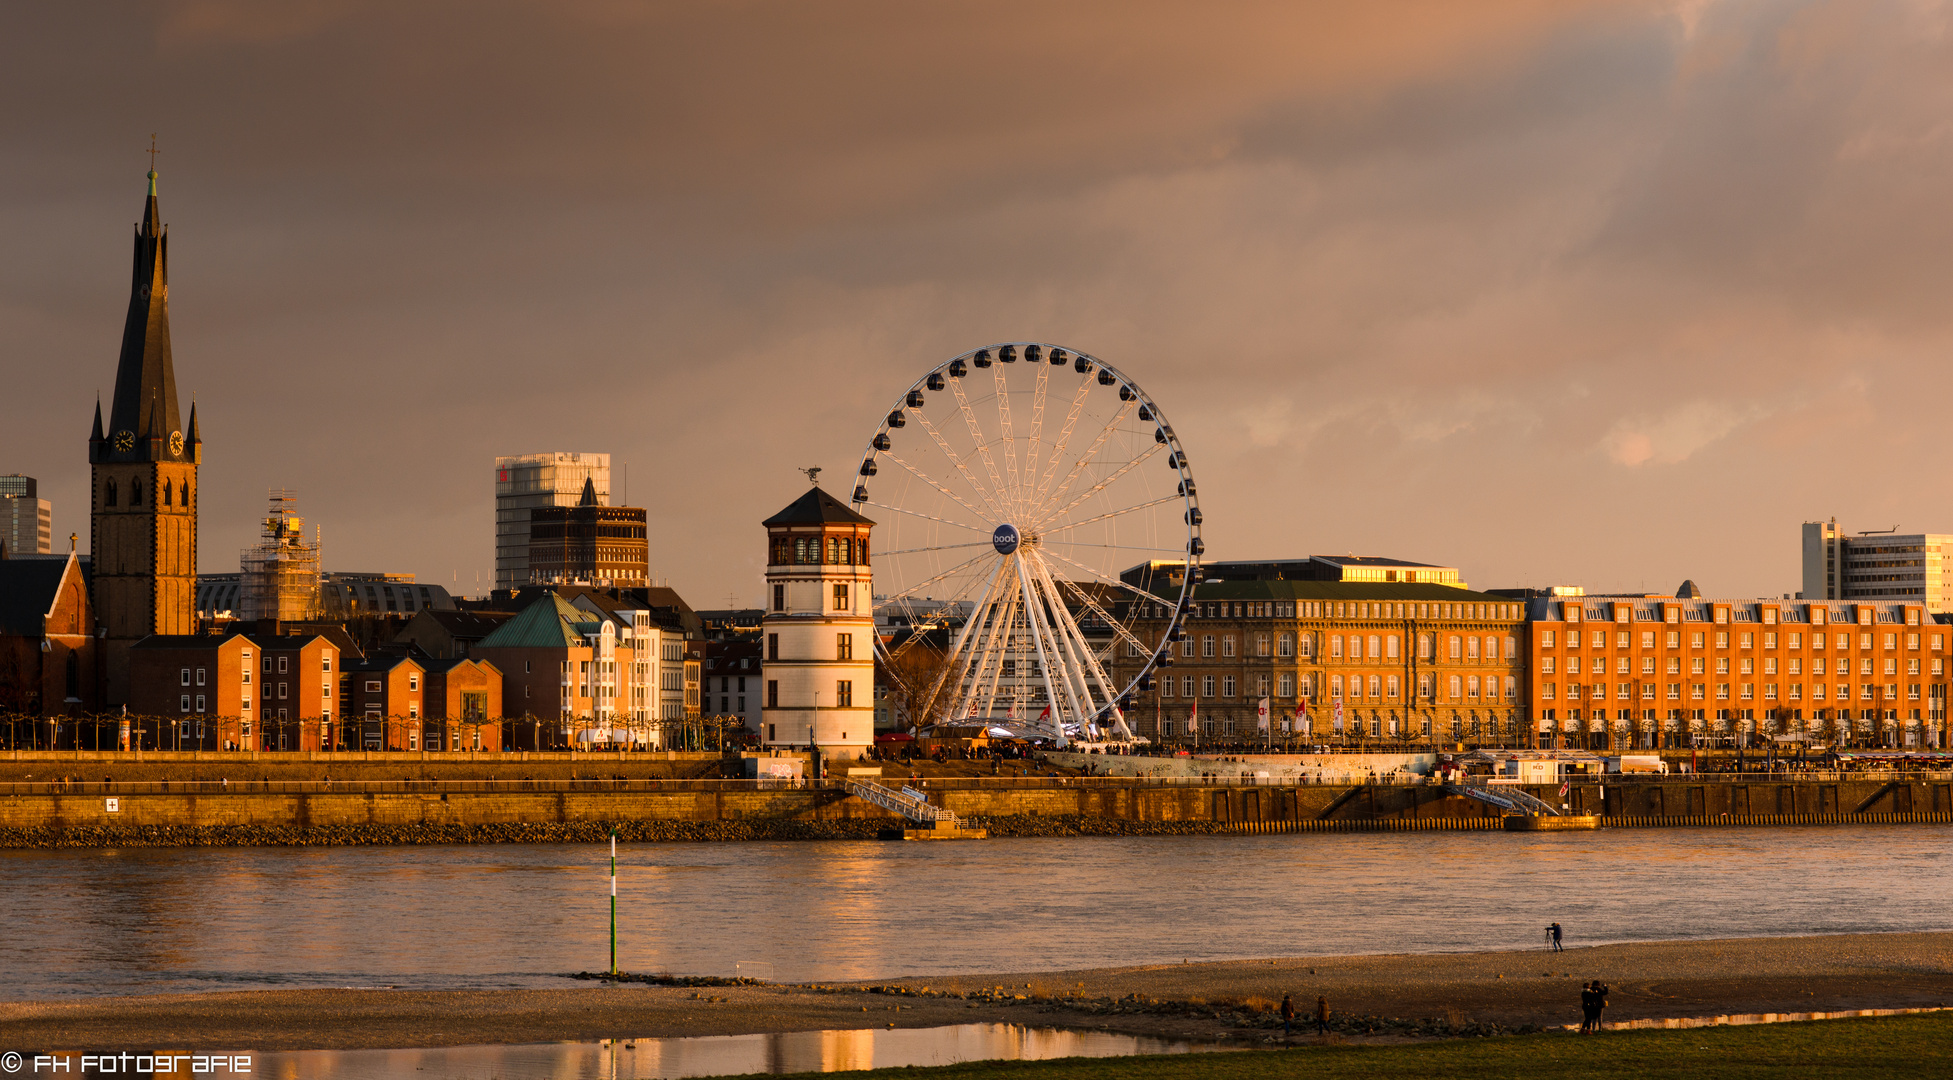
x,y
144,406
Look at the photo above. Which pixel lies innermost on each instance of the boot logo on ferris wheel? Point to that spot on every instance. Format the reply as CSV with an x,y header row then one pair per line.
x,y
1004,539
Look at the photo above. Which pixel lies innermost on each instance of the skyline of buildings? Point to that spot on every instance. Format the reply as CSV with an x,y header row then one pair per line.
x,y
26,519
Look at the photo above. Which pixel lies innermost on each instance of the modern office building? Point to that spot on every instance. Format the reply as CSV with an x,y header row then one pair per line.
x,y
26,519
528,481
1877,566
588,544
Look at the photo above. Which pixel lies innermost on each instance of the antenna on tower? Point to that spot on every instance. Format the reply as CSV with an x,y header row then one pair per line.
x,y
813,475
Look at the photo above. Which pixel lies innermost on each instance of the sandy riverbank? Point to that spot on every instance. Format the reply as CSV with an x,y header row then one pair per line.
x,y
1510,988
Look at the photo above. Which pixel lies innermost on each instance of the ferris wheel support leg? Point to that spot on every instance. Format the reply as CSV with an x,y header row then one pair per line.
x,y
959,657
1033,616
1001,627
1081,665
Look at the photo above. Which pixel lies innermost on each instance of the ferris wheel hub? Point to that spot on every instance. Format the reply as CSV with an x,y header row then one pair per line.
x,y
1005,539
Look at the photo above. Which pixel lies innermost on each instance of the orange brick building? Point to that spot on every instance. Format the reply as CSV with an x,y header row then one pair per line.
x,y
1643,672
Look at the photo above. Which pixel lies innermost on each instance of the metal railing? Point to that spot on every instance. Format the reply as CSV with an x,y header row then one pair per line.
x,y
1505,797
908,802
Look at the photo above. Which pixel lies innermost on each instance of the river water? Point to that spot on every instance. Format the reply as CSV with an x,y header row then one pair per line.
x,y
171,919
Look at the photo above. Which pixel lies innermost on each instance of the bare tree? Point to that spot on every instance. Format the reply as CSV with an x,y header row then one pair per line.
x,y
916,675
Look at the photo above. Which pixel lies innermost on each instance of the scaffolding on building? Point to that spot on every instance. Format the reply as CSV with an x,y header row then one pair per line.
x,y
280,576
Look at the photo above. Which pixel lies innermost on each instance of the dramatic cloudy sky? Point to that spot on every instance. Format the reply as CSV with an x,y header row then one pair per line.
x,y
1606,293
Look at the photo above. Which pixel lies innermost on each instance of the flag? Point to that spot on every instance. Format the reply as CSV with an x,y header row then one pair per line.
x,y
1261,714
1565,786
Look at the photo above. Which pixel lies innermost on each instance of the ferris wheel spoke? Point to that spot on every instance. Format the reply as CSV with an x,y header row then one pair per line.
x,y
924,550
1138,594
1092,452
1118,628
932,482
926,517
955,459
1088,670
1036,441
1009,440
1064,438
1082,497
1162,500
979,439
909,592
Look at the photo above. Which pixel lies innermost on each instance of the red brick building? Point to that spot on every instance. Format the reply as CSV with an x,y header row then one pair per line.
x,y
1643,672
48,660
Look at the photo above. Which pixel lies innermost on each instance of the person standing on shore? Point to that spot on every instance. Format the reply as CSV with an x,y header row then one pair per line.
x,y
1288,1015
1322,1014
1600,1003
1587,1010
1553,931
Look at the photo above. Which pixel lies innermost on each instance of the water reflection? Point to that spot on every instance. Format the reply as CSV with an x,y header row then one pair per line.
x,y
796,1052
159,919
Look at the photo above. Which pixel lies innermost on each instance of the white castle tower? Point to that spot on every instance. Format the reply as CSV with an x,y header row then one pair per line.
x,y
820,629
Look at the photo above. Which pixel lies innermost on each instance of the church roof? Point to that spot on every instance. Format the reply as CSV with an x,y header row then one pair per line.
x,y
814,508
145,378
28,589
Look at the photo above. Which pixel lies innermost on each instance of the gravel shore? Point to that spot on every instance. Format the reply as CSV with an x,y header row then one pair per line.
x,y
1510,989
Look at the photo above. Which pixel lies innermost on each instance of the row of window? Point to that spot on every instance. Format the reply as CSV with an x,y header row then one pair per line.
x,y
1746,639
1352,646
1381,687
1743,665
1626,691
843,694
810,551
1673,614
172,494
1324,609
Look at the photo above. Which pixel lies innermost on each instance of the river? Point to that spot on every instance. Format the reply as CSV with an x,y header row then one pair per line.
x,y
171,919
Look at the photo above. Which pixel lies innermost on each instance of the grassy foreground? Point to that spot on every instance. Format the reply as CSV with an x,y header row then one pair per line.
x,y
1899,1046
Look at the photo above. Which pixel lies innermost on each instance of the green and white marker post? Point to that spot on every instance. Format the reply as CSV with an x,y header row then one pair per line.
x,y
613,903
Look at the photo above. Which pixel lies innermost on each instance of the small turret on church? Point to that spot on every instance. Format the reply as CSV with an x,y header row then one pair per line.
x,y
819,664
143,516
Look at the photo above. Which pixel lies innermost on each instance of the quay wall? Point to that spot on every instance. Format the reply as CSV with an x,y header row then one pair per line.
x,y
31,812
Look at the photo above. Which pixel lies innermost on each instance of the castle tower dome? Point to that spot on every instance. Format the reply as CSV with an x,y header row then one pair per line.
x,y
819,629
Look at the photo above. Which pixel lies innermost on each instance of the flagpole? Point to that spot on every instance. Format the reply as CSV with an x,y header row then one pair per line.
x,y
613,903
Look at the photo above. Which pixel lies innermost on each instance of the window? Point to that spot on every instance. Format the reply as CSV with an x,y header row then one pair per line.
x,y
1546,639
1600,639
1457,685
1207,645
1546,665
843,648
1335,646
1261,644
1336,686
1227,686
1511,688
779,598
1376,649
844,693
772,646
1285,686
1424,686
772,693
1132,648
1391,687
1471,688
199,676
1471,648
1390,646
1695,640
1187,645
281,664
185,704
1457,649
1227,644
199,702
186,677
840,598
413,682
1186,686
1285,646
1722,639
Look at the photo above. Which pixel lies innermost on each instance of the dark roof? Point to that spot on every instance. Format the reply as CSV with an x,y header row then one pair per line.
x,y
548,623
1688,591
589,492
1340,590
466,625
1370,560
185,641
814,508
27,592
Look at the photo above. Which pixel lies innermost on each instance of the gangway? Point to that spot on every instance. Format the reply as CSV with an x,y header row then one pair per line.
x,y
1505,798
908,802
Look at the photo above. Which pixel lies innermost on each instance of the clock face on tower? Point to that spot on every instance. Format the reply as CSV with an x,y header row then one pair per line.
x,y
125,440
176,442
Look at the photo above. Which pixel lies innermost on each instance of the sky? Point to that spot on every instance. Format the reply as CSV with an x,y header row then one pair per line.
x,y
1605,294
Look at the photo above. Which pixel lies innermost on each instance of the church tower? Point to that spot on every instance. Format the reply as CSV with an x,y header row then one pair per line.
x,y
820,629
143,517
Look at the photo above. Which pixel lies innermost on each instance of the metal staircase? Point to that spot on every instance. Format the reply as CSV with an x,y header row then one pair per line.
x,y
1505,798
908,802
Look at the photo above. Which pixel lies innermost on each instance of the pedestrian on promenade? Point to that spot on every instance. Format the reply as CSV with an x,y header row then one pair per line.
x,y
1322,1015
1553,931
1600,1002
1288,1015
1587,1010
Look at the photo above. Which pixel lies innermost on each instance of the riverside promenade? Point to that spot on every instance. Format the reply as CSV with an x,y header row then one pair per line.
x,y
87,799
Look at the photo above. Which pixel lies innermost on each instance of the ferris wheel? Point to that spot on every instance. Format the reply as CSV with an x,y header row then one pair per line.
x,y
1035,513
